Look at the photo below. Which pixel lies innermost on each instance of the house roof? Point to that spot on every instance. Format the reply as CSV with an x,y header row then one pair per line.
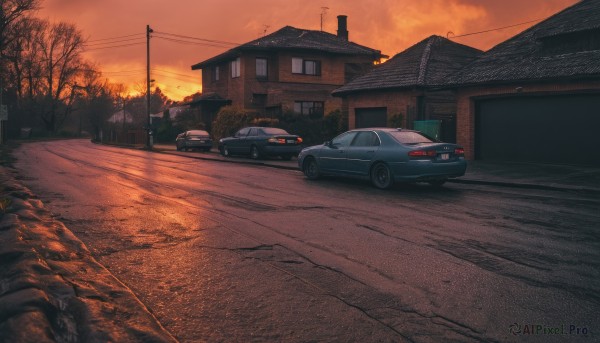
x,y
522,58
425,64
291,38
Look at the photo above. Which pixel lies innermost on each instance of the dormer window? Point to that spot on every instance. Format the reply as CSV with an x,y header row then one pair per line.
x,y
572,42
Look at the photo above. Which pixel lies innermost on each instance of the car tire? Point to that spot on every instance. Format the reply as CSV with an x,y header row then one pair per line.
x,y
438,183
225,151
381,176
254,153
310,168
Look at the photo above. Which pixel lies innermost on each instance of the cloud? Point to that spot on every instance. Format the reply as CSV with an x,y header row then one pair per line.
x,y
387,25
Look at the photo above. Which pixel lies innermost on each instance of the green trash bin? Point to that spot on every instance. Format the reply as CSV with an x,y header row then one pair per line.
x,y
431,128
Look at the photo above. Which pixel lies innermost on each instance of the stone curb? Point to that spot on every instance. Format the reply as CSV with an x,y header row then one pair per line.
x,y
51,287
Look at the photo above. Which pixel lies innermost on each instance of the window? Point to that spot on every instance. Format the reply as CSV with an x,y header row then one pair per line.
x,y
572,42
366,138
344,139
216,73
306,67
314,109
243,132
261,68
235,68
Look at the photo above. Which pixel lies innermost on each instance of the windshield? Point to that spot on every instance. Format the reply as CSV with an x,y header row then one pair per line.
x,y
409,137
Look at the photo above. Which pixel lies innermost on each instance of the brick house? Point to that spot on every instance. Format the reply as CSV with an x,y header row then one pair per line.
x,y
291,69
407,87
536,96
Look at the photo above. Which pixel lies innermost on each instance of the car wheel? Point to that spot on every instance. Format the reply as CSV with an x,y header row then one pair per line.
x,y
311,169
437,183
381,176
254,153
225,151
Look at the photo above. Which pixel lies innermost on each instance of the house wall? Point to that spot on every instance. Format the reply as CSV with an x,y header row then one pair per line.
x,y
282,87
396,102
467,97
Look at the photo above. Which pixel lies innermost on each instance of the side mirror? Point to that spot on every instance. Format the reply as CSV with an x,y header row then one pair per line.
x,y
327,143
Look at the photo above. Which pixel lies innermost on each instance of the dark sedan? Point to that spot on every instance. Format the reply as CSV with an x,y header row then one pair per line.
x,y
261,141
193,139
384,156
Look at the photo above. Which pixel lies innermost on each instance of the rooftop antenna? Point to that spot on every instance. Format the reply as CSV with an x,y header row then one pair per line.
x,y
323,14
266,28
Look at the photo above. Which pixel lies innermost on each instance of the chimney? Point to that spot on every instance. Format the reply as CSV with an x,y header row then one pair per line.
x,y
342,31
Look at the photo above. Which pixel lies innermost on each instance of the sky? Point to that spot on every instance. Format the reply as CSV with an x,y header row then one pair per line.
x,y
190,31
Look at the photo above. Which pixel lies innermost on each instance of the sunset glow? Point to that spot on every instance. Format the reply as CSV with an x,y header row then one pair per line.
x,y
115,29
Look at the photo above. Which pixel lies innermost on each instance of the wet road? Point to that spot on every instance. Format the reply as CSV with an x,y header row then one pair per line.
x,y
232,252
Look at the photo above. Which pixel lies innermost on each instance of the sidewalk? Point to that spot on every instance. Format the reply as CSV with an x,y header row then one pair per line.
x,y
500,174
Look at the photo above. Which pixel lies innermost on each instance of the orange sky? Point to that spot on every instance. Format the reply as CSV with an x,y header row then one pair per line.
x,y
387,25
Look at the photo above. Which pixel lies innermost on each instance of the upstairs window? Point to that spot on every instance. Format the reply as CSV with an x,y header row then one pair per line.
x,y
306,67
235,68
216,74
261,68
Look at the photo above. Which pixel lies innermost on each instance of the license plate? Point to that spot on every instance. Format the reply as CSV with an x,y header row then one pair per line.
x,y
201,141
445,156
291,141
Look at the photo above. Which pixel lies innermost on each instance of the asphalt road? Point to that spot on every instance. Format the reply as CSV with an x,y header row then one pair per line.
x,y
232,252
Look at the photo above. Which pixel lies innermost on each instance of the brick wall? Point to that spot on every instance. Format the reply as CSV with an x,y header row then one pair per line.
x,y
395,101
467,97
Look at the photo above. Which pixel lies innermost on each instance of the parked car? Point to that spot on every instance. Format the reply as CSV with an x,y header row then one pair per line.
x,y
261,141
193,139
384,156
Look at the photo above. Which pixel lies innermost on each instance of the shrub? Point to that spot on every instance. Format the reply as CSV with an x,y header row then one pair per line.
x,y
229,120
396,120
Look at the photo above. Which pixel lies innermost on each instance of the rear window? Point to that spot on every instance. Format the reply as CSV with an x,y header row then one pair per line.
x,y
274,131
197,133
410,137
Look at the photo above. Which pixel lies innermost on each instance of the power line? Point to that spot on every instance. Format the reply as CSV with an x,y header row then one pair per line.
x,y
490,30
186,42
117,41
170,72
196,38
118,37
116,46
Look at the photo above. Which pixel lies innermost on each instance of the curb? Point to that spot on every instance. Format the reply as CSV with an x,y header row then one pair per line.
x,y
51,287
456,180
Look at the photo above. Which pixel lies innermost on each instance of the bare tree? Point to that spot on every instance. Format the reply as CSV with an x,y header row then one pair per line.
x,y
60,46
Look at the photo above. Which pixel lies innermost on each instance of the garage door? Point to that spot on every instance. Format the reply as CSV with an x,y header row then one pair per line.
x,y
371,117
550,129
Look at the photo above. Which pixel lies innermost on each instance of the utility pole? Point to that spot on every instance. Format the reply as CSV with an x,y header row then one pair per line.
x,y
149,129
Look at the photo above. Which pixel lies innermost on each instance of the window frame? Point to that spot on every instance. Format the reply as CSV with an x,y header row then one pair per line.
x,y
235,68
310,109
216,74
266,68
304,66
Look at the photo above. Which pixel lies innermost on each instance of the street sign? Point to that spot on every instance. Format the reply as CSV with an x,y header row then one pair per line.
x,y
3,112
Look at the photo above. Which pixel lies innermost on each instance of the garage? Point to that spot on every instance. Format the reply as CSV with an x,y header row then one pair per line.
x,y
557,129
371,117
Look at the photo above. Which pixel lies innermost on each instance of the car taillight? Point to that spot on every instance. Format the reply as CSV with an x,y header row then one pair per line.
x,y
298,140
276,140
459,151
422,153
